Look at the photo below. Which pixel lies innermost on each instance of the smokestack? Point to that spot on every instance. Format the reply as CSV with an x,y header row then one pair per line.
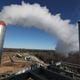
x,y
2,33
79,33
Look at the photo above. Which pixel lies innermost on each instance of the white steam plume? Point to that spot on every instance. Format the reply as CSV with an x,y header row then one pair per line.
x,y
40,17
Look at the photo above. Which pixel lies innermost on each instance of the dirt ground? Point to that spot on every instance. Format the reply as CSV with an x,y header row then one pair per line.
x,y
8,66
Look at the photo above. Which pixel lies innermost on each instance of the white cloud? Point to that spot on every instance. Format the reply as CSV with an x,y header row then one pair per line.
x,y
34,15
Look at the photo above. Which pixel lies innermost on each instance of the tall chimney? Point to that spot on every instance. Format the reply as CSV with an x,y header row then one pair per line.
x,y
2,34
79,33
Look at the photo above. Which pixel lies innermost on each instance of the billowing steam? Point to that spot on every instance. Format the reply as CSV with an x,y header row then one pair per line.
x,y
34,15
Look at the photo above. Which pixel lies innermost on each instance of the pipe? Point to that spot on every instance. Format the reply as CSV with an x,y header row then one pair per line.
x,y
79,33
2,34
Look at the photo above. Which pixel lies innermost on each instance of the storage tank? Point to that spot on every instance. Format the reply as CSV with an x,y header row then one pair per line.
x,y
2,34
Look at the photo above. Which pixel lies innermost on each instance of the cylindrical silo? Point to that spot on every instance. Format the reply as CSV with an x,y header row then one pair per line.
x,y
2,34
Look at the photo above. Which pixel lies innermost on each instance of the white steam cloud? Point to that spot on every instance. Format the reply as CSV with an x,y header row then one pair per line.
x,y
34,15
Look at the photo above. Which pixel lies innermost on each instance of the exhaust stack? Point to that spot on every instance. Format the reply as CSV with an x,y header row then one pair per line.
x,y
2,34
79,33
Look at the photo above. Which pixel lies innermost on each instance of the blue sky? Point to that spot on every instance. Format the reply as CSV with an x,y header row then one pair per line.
x,y
32,38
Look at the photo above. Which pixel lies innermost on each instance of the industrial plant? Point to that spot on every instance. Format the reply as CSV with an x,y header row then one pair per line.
x,y
34,64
